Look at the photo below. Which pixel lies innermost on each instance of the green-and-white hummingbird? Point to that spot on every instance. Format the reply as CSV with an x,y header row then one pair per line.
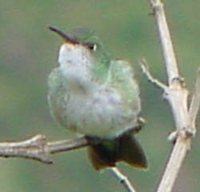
x,y
96,96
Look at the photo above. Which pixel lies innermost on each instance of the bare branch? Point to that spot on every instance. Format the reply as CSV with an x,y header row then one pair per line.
x,y
67,145
165,40
177,96
145,70
123,179
37,148
174,164
195,102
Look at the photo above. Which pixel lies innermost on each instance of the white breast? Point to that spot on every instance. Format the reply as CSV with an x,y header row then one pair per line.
x,y
100,114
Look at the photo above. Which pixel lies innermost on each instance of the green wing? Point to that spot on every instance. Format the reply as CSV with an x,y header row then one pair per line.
x,y
56,96
122,79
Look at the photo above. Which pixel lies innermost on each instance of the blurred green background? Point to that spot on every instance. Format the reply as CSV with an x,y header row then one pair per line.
x,y
28,52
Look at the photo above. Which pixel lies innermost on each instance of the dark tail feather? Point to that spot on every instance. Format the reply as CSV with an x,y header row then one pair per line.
x,y
105,152
131,151
98,160
102,152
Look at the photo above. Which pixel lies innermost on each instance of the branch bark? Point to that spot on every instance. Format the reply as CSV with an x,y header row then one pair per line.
x,y
177,96
123,179
37,148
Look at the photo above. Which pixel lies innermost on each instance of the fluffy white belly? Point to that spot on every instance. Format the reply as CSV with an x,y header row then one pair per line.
x,y
101,114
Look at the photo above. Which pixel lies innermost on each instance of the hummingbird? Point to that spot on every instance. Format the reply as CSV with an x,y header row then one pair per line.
x,y
94,95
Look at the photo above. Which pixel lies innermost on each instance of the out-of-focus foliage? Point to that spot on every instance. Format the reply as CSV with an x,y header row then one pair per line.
x,y
28,52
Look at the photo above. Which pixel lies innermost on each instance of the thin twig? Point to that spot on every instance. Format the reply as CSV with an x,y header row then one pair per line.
x,y
67,145
195,102
145,70
123,179
165,40
37,148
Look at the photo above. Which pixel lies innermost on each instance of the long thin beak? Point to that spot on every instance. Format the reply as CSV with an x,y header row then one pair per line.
x,y
68,38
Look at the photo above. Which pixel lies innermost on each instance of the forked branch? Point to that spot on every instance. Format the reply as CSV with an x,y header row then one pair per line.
x,y
177,96
37,148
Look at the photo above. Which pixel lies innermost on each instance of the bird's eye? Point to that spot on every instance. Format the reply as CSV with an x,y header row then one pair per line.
x,y
92,46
